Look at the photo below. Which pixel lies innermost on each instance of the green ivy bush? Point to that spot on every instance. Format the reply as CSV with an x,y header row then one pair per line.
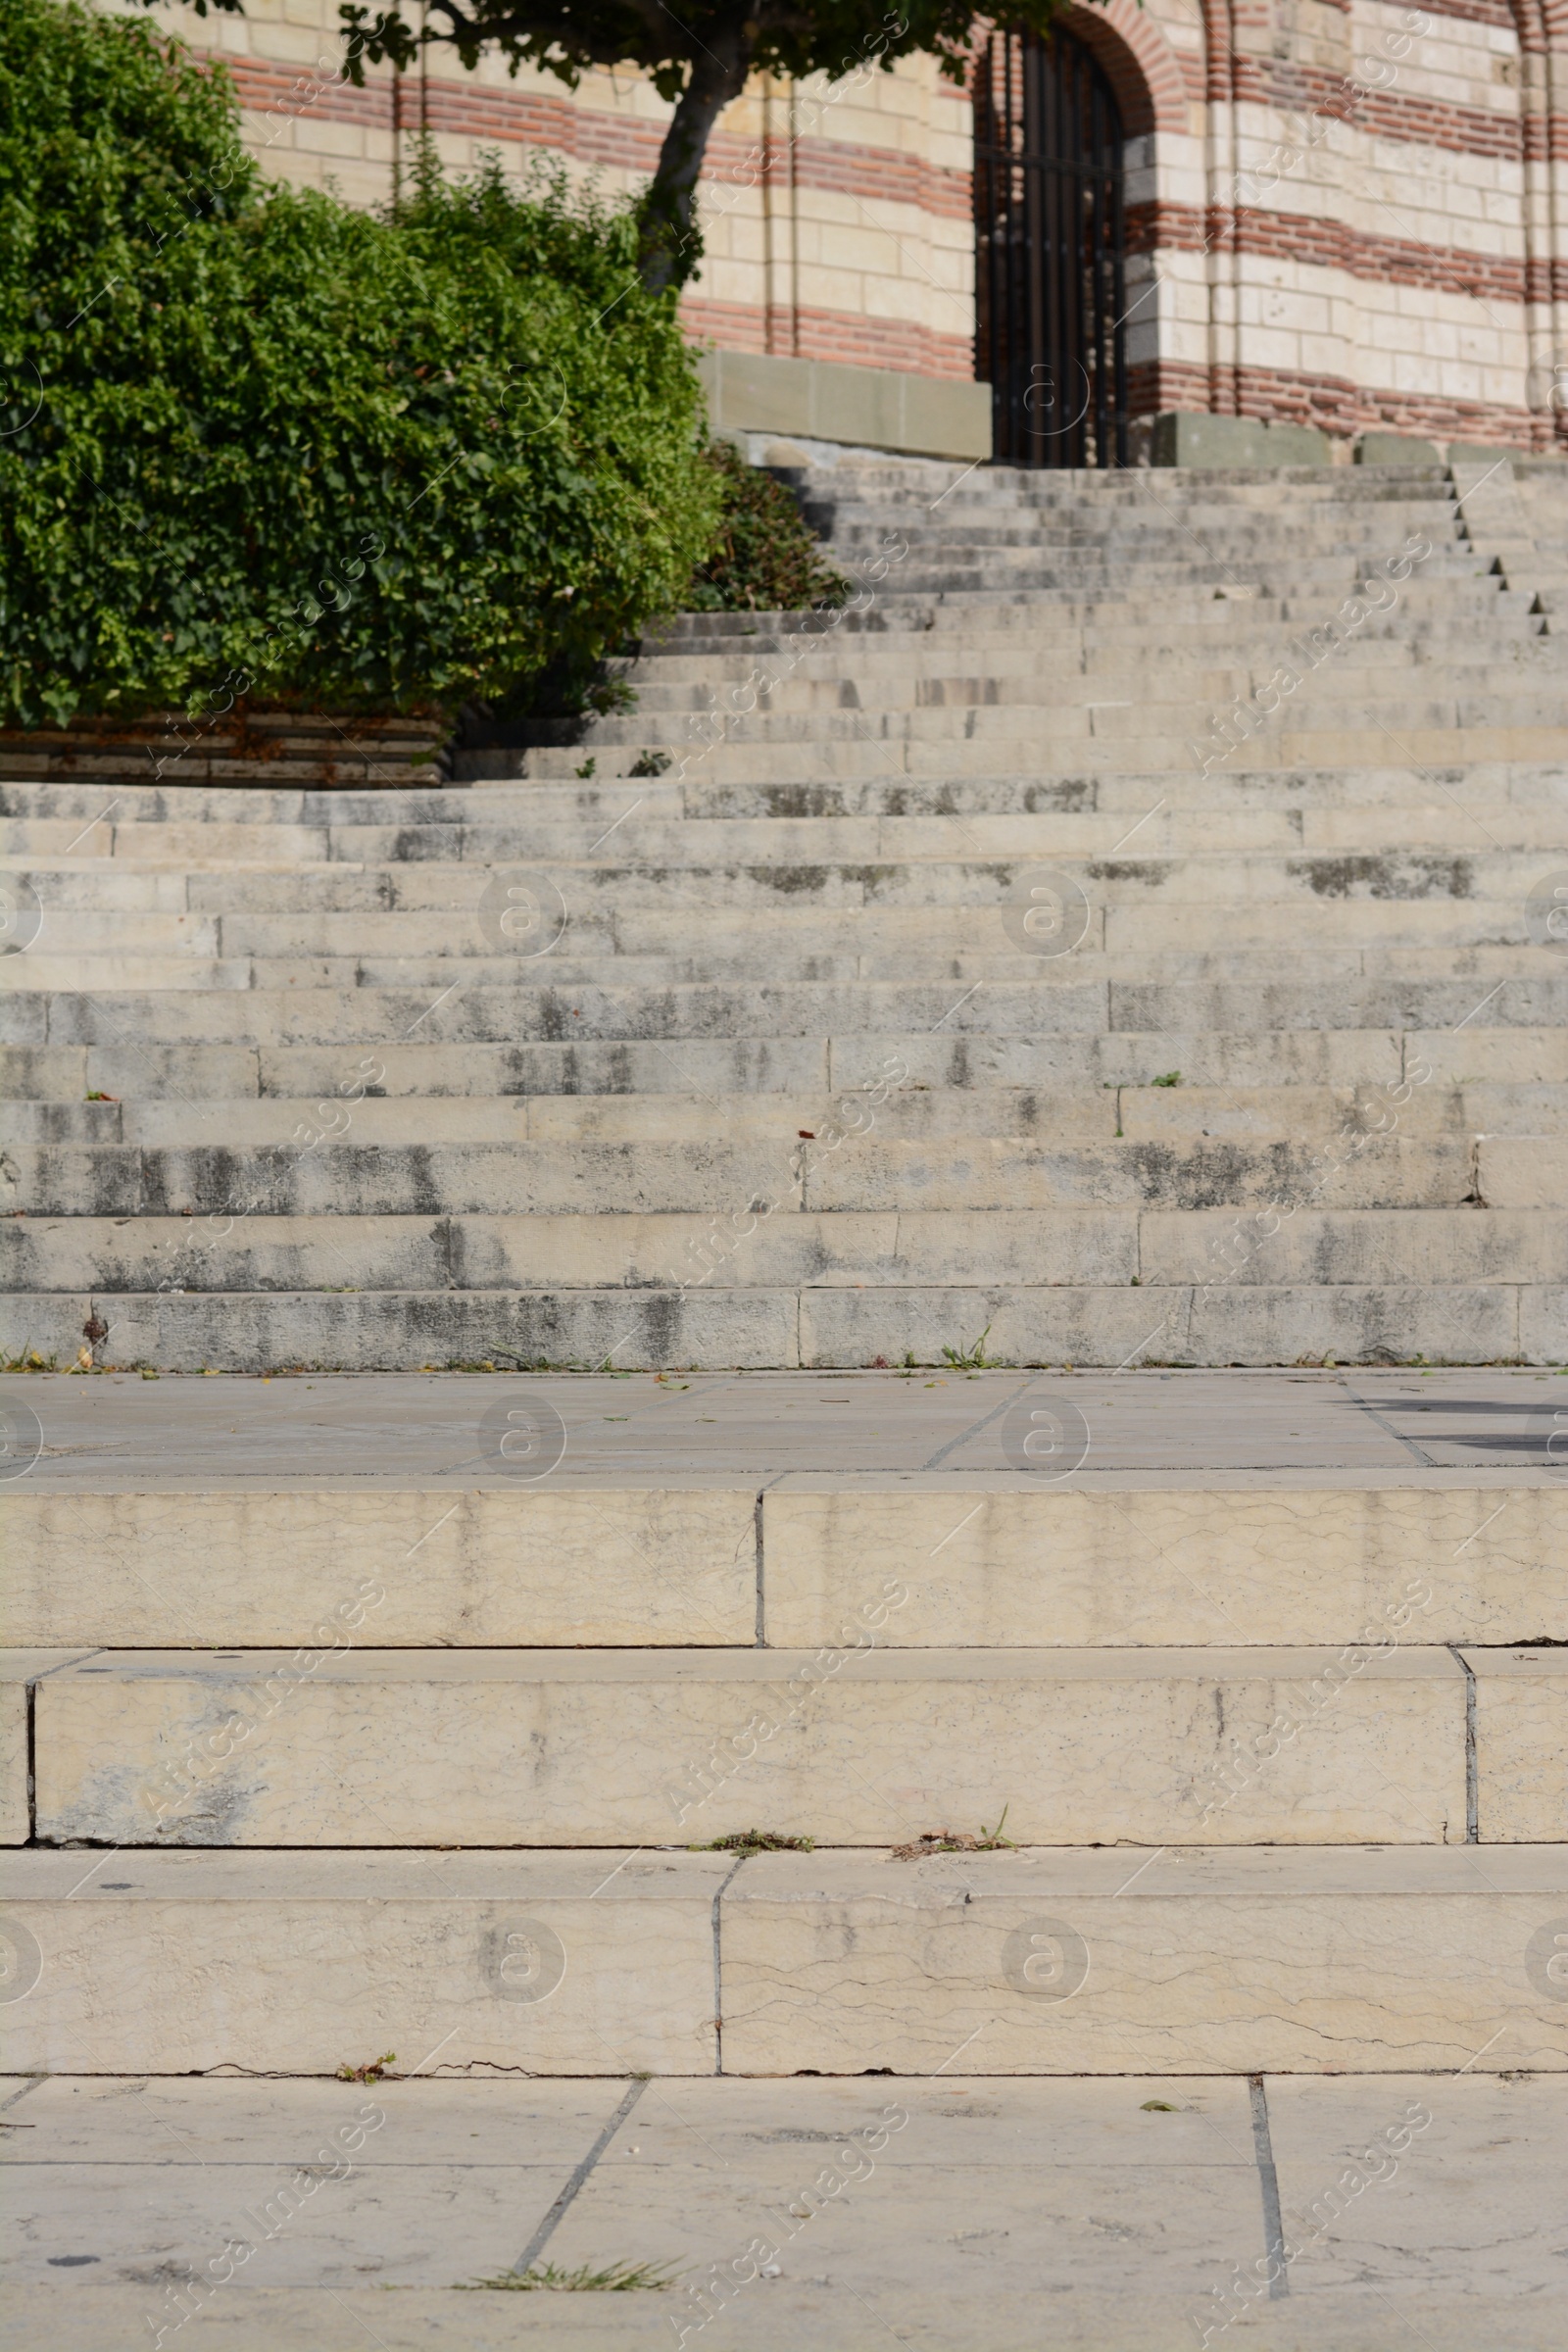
x,y
260,444
766,558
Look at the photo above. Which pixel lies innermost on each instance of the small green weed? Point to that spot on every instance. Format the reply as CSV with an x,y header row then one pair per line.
x,y
370,2072
616,2278
1171,1078
954,1841
754,1841
972,1360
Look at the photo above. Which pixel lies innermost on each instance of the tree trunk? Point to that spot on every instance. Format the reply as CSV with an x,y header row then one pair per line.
x,y
671,245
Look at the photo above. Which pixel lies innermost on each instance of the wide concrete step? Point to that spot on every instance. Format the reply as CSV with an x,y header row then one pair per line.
x,y
1057,1114
662,1561
636,1747
265,817
846,1324
1326,701
1474,619
761,1237
968,876
1374,1063
1358,740
169,904
846,1166
145,903
1044,681
637,1553
1206,618
1194,1960
654,948
1075,1002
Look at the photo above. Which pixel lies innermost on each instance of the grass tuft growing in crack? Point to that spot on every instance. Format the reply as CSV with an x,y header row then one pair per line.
x,y
754,1841
972,1360
616,2278
372,2070
954,1841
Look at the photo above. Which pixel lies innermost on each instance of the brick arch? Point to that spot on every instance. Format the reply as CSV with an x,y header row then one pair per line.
x,y
1144,69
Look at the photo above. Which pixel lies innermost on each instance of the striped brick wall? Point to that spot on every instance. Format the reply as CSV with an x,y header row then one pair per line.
x,y
1345,211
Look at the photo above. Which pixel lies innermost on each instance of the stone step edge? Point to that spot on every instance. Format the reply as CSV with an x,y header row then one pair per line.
x,y
1058,1962
827,1329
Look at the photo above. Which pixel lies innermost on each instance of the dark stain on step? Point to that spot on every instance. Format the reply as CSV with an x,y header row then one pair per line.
x,y
1385,876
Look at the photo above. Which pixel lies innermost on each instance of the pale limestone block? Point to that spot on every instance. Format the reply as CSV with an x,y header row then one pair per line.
x,y
1478,1055
1326,353
1060,1963
333,142
844,234
285,42
1442,2185
1521,1742
1444,1247
292,1963
485,1567
1173,1564
1268,348
827,289
572,1747
1522,1171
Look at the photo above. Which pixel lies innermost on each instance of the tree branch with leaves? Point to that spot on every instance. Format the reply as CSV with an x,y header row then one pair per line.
x,y
699,60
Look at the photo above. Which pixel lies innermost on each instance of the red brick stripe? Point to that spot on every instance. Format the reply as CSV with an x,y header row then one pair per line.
x,y
843,335
1341,407
536,118
1393,114
1336,245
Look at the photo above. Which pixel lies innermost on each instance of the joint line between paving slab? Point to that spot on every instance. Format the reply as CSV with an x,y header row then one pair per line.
x,y
1279,2284
548,2227
761,1616
975,1428
1424,1458
1472,1778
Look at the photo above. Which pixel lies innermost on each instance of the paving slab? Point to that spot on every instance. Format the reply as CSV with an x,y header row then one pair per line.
x,y
972,2214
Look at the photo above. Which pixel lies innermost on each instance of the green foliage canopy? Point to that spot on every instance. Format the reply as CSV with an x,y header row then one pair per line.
x,y
258,442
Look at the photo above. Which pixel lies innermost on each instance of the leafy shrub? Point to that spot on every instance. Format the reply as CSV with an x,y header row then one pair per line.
x,y
766,558
261,443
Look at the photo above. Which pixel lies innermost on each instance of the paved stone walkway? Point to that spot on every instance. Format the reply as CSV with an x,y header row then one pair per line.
x,y
395,1430
986,2215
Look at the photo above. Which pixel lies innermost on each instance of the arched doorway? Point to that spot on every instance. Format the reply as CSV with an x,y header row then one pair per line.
x,y
1050,251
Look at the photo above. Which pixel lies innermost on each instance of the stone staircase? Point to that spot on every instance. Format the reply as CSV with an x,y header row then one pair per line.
x,y
976,977
1223,1736
1109,937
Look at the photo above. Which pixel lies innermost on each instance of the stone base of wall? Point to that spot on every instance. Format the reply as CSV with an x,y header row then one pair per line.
x,y
867,408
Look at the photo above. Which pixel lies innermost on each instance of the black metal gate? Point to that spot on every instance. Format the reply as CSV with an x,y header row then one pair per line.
x,y
1050,251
